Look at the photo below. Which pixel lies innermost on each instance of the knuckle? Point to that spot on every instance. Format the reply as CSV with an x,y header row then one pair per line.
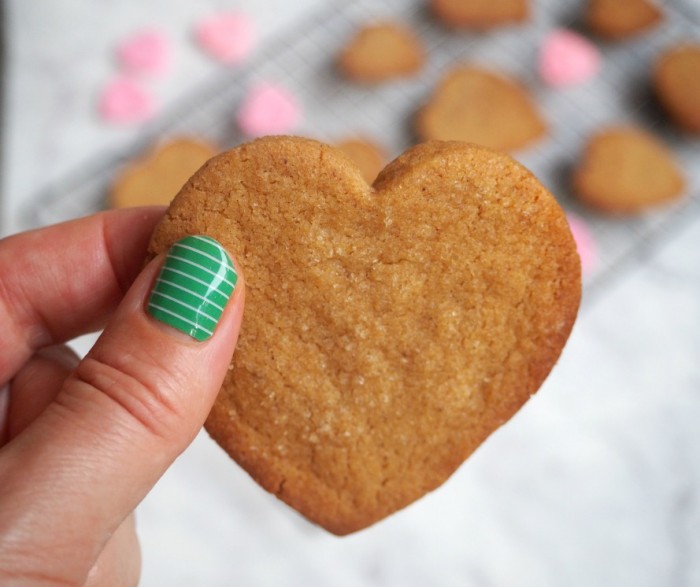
x,y
133,387
21,564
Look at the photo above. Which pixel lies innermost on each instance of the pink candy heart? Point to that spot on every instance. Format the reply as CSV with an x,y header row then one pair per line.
x,y
585,243
146,52
228,37
124,101
268,109
566,59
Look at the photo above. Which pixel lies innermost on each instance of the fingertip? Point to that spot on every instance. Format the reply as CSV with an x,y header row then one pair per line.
x,y
193,287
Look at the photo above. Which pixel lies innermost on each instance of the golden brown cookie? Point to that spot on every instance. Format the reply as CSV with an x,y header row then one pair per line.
x,y
366,154
388,330
479,106
480,14
618,19
677,83
158,176
381,52
627,170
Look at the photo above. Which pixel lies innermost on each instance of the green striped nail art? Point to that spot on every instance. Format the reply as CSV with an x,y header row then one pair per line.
x,y
192,288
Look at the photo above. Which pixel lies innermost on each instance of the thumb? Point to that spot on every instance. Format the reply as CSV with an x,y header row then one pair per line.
x,y
128,410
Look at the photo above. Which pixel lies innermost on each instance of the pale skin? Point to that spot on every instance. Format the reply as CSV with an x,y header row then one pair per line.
x,y
82,442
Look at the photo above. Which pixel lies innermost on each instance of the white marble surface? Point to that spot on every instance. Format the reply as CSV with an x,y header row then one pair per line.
x,y
595,482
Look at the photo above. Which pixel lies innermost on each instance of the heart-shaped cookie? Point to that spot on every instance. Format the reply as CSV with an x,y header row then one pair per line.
x,y
381,52
157,177
677,84
388,329
479,106
480,14
626,170
618,19
366,154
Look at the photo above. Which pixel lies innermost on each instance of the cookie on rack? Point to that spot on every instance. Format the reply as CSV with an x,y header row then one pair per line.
x,y
369,157
619,19
158,176
480,14
625,170
677,85
389,329
381,52
480,106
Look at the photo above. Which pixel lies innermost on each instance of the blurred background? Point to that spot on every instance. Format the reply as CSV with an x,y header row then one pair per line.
x,y
597,480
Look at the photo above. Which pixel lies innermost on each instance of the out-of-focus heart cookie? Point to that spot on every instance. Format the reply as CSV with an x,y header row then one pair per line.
x,y
388,330
369,157
159,174
619,19
380,52
677,84
479,106
480,14
625,170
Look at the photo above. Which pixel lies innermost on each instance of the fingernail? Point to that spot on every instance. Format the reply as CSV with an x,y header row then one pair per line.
x,y
192,288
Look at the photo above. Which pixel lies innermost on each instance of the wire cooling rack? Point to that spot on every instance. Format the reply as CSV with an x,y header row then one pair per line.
x,y
304,61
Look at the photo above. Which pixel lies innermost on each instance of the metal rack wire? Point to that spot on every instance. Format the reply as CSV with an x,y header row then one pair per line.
x,y
303,60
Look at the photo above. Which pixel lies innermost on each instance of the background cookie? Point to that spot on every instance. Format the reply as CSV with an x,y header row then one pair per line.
x,y
388,331
480,14
381,52
627,170
158,176
367,155
677,83
618,19
476,105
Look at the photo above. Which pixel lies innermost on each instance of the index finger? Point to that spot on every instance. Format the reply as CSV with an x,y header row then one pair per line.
x,y
62,281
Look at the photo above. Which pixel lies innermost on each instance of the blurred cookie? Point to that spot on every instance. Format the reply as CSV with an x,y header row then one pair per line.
x,y
369,157
627,170
388,330
479,106
382,52
159,175
677,84
618,19
480,14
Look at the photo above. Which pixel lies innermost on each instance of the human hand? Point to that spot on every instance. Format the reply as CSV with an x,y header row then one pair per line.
x,y
82,442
